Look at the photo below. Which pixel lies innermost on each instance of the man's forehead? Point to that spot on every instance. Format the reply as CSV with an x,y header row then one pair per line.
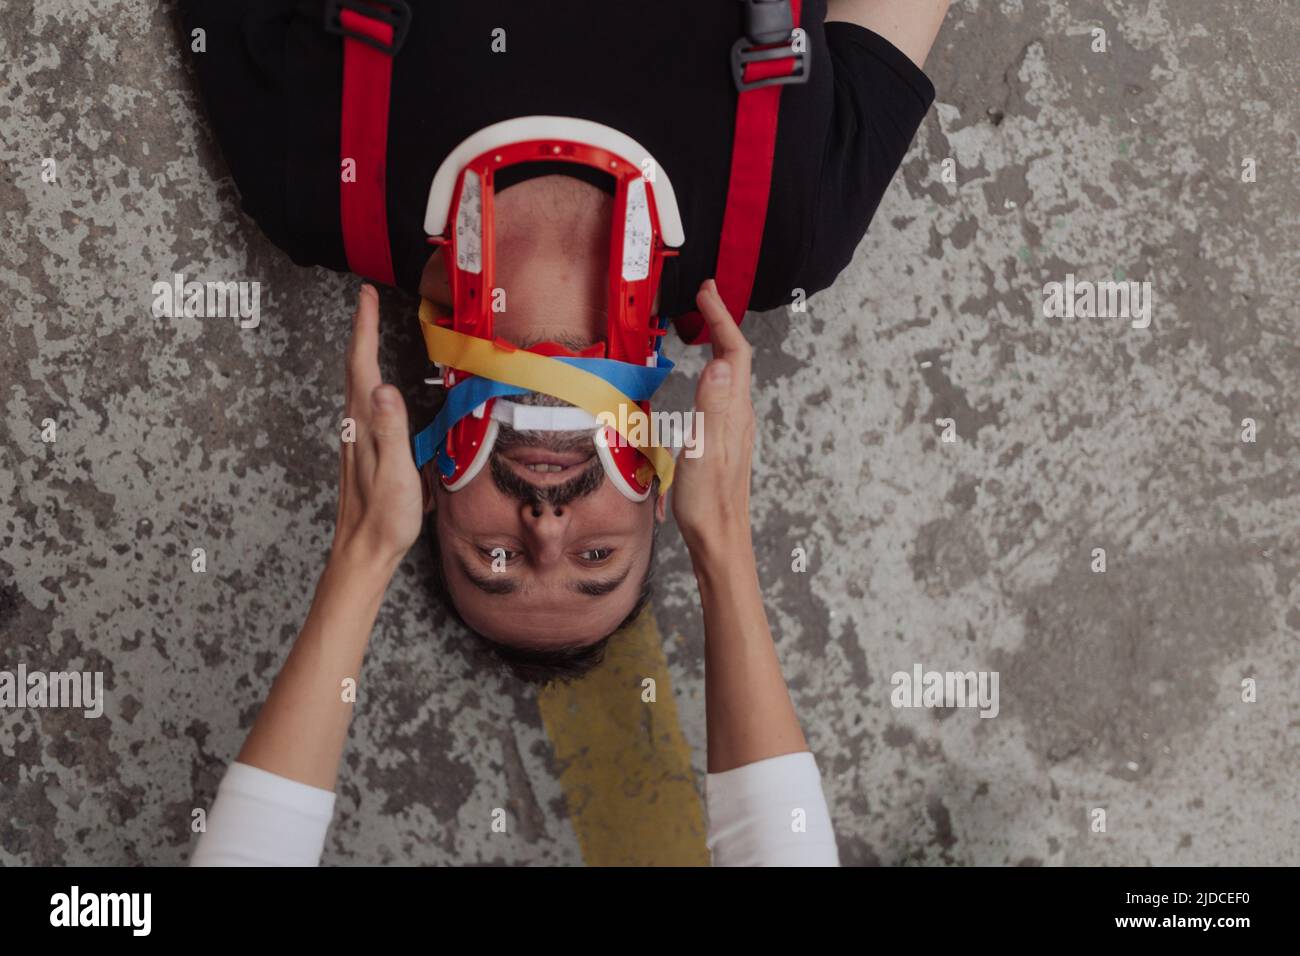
x,y
541,619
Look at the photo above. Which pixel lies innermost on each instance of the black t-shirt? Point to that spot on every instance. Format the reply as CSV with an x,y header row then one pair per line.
x,y
271,77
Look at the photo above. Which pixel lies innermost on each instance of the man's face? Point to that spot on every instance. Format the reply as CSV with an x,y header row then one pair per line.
x,y
571,553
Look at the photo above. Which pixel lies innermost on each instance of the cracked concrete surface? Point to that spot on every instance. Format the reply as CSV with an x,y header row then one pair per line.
x,y
1119,690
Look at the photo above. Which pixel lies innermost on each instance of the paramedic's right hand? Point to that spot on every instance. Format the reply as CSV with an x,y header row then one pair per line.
x,y
711,492
380,507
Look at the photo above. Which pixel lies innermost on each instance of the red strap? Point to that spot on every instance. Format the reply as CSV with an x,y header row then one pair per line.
x,y
363,138
752,153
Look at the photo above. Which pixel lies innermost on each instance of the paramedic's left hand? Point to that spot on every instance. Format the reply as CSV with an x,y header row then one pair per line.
x,y
380,502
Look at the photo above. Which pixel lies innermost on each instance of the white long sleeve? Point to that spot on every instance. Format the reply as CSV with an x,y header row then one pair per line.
x,y
770,813
262,819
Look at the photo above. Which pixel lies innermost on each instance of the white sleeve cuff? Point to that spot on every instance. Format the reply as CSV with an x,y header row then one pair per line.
x,y
262,819
770,813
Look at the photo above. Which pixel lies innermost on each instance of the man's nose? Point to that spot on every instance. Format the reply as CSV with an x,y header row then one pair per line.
x,y
545,524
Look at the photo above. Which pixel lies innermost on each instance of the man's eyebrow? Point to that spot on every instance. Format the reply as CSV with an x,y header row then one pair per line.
x,y
493,585
599,588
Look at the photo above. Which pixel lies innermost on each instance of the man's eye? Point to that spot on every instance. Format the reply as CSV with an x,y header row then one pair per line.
x,y
499,555
597,554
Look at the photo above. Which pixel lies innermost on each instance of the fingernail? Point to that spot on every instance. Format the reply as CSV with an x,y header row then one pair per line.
x,y
719,373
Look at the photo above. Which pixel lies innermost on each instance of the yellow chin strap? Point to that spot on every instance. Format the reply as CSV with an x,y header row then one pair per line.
x,y
541,373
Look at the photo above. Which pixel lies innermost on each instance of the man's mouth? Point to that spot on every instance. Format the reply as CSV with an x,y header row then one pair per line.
x,y
543,468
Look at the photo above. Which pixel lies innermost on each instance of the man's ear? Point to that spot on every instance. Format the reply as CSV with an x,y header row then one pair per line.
x,y
661,509
427,479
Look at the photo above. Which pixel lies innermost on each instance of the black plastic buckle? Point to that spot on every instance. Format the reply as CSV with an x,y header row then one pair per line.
x,y
393,12
767,23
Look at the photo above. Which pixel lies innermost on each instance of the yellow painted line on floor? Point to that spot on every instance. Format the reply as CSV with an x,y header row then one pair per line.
x,y
625,767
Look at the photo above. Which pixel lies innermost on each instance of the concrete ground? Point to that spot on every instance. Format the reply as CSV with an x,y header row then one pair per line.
x,y
1119,691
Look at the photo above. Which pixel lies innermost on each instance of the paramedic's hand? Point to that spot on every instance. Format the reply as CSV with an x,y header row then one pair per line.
x,y
711,492
380,501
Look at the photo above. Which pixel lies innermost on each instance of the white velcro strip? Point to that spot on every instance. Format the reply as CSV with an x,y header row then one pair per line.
x,y
543,418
